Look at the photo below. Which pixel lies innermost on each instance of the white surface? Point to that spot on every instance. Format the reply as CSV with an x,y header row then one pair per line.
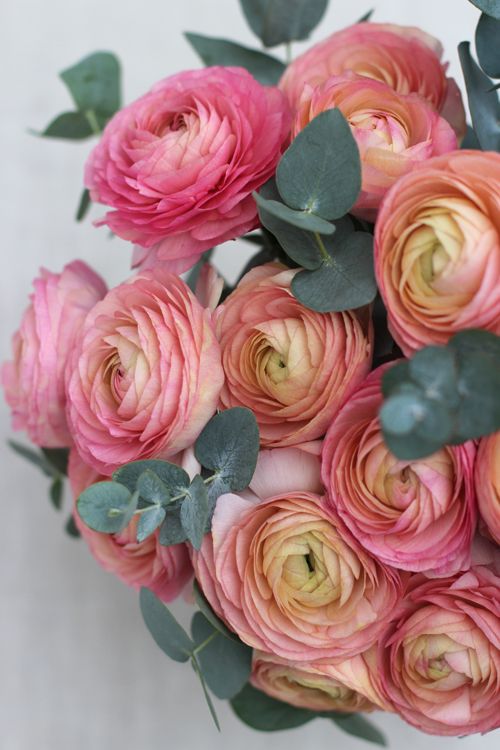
x,y
78,670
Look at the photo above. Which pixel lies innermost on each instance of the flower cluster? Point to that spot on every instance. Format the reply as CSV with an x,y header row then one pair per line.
x,y
362,580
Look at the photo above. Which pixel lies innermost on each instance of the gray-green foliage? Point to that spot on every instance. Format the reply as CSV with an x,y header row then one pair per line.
x,y
484,103
281,21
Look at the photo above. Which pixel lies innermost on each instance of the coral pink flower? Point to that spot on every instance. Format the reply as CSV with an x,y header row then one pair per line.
x,y
146,373
394,132
415,515
405,58
437,249
347,687
440,661
488,484
286,576
179,165
292,366
164,570
34,381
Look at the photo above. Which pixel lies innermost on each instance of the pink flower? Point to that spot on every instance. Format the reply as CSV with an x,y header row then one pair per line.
x,y
487,478
284,574
347,687
440,661
437,249
164,570
292,366
146,373
394,132
34,381
179,165
415,515
405,58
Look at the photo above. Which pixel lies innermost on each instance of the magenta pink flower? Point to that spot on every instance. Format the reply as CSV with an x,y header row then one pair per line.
x,y
415,515
34,382
440,660
146,373
179,165
164,570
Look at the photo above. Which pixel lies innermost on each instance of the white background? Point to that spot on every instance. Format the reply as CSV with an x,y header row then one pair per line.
x,y
77,669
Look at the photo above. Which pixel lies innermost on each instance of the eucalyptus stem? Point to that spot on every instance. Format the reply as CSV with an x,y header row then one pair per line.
x,y
180,496
205,642
322,248
92,120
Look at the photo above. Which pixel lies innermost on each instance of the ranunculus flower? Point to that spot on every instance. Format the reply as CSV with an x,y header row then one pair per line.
x,y
146,373
164,570
404,57
34,382
488,484
292,366
314,686
286,576
394,132
415,515
437,249
440,661
179,165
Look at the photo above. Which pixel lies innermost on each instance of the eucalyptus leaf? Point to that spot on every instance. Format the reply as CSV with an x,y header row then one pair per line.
x,y
94,83
208,699
488,45
209,614
229,445
172,531
367,16
321,169
69,125
215,51
83,205
149,522
57,458
434,369
194,273
107,506
343,282
172,476
194,512
305,220
357,726
151,488
280,21
470,140
224,662
484,103
34,457
491,7
71,528
259,711
166,631
56,493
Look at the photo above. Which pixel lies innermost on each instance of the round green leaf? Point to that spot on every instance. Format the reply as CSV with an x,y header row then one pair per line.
x,y
491,7
266,714
166,631
488,45
94,83
434,369
70,125
321,170
483,102
305,220
172,476
107,506
214,51
149,522
279,21
194,512
209,614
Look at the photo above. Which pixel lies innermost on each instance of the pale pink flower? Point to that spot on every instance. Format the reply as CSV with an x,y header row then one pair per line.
x,y
487,478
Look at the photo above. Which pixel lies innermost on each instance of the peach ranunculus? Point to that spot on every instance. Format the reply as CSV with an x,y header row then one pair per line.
x,y
179,165
437,249
286,576
164,570
315,687
34,382
146,373
292,366
404,57
414,515
393,132
440,661
487,480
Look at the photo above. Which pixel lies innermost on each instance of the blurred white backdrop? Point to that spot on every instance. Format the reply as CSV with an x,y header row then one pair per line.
x,y
78,669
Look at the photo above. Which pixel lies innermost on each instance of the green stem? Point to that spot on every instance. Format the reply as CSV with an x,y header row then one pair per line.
x,y
322,248
288,52
92,120
205,643
172,499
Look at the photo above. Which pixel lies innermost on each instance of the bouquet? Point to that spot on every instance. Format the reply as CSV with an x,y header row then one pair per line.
x,y
311,456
